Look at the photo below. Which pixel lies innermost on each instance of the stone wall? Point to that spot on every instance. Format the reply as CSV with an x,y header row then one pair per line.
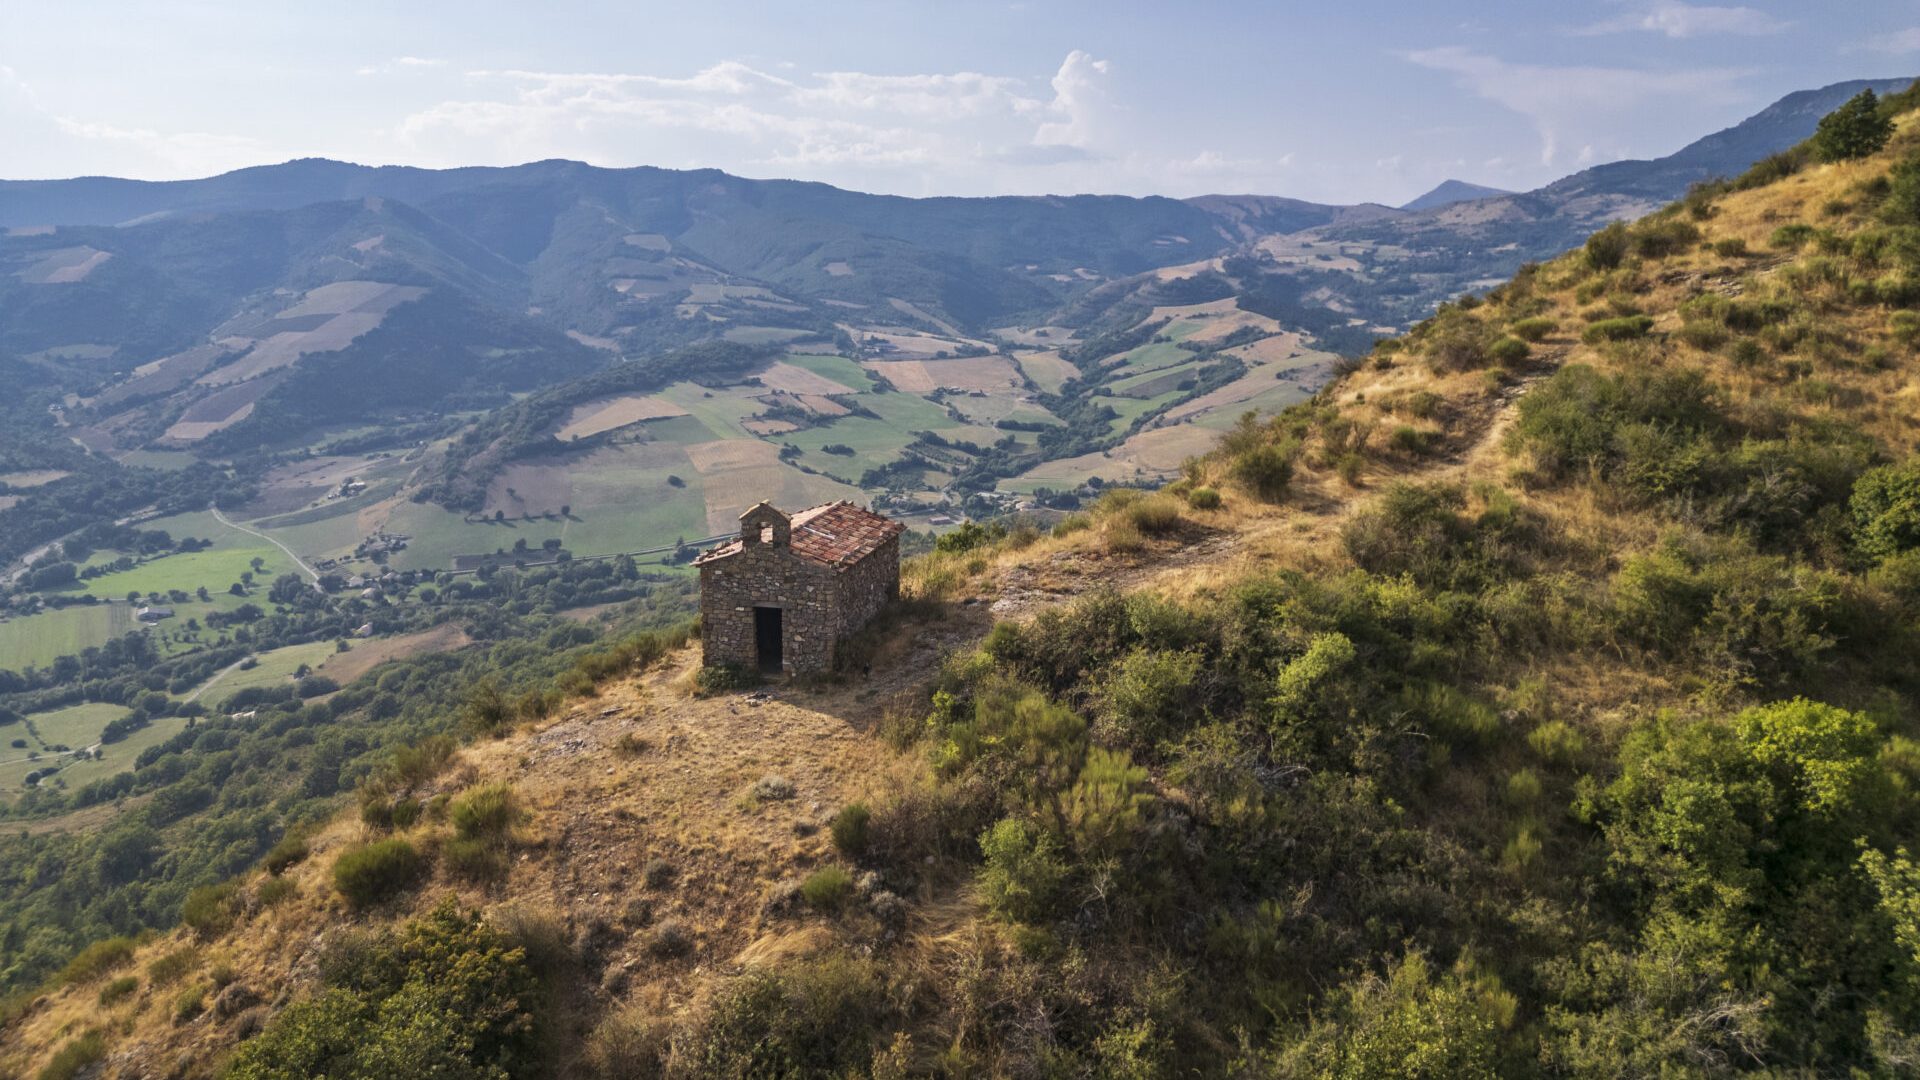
x,y
765,575
868,586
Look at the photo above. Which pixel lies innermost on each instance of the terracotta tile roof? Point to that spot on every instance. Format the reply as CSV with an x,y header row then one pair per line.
x,y
836,534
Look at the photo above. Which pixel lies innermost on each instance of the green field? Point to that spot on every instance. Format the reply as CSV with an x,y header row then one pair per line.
x,y
217,569
273,669
76,726
838,368
36,640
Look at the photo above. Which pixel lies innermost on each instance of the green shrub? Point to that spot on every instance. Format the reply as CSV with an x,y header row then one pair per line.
x,y
1023,872
1265,471
1607,248
1155,515
484,811
189,1003
1703,335
1791,237
1508,350
1557,742
1146,696
827,888
812,1018
1534,329
1071,524
1886,509
283,856
275,891
1659,237
1854,130
1621,329
1732,247
117,990
208,910
167,968
1410,441
368,874
724,678
850,829
474,859
75,1056
97,960
446,996
1204,498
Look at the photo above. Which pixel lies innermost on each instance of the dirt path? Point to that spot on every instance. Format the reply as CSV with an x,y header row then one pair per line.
x,y
216,677
312,574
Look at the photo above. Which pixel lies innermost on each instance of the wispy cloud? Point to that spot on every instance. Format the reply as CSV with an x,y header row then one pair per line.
x,y
735,111
401,63
1564,103
162,153
1898,43
1678,20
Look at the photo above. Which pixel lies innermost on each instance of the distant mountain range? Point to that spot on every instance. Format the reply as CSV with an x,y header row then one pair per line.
x,y
1449,192
179,311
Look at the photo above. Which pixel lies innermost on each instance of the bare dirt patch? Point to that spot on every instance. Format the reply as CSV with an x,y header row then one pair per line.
x,y
986,373
64,266
798,380
606,414
345,667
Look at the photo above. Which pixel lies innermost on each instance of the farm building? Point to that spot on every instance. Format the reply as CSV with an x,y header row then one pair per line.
x,y
783,594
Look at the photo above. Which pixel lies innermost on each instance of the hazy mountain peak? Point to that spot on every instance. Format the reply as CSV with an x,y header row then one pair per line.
x,y
1448,192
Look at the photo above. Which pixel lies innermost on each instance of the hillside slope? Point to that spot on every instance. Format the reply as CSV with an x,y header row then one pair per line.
x,y
1538,700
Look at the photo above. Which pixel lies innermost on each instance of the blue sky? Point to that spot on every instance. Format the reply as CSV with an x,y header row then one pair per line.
x,y
1342,102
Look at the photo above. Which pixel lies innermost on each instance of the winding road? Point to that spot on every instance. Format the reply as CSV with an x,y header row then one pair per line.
x,y
312,574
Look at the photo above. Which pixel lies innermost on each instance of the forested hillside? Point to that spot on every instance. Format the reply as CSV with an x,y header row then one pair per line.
x,y
1536,700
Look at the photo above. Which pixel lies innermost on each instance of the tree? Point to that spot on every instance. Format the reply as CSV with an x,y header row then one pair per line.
x,y
1853,130
235,589
1886,509
257,563
287,589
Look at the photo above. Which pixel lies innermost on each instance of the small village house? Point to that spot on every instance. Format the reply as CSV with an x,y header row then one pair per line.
x,y
787,591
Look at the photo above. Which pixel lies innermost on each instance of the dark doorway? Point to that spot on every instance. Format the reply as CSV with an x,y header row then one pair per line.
x,y
766,638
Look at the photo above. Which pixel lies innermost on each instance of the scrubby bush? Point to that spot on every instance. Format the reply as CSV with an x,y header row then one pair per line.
x,y
446,996
75,1057
1534,329
290,851
1661,236
827,888
1023,871
118,990
208,910
368,874
1621,329
1508,350
1265,471
1886,510
167,968
808,1018
1607,248
1203,498
850,829
1731,247
97,959
724,678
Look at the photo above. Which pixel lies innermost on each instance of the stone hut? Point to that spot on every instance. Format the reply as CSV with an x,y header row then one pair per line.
x,y
782,595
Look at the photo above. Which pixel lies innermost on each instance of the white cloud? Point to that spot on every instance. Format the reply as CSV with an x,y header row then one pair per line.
x,y
1678,20
1571,102
401,63
36,131
1898,43
1080,100
738,115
